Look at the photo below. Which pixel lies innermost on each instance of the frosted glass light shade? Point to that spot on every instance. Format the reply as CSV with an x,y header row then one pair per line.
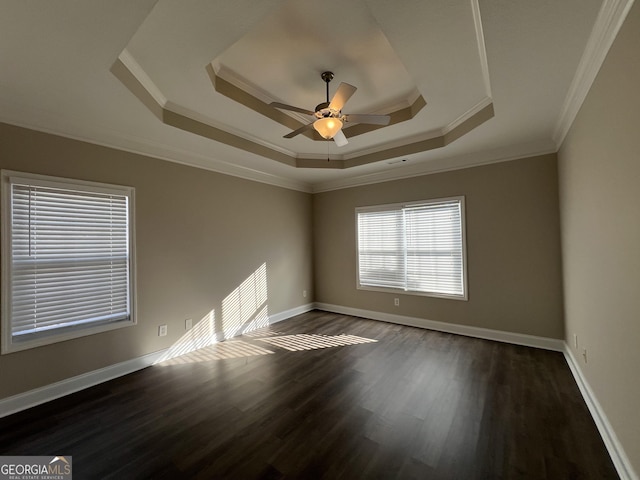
x,y
327,127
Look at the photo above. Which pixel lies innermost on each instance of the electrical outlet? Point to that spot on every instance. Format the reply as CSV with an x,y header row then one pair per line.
x,y
304,293
162,331
188,323
575,341
396,302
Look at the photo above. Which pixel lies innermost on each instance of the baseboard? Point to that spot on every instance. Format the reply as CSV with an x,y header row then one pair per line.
x,y
278,317
23,401
609,437
545,343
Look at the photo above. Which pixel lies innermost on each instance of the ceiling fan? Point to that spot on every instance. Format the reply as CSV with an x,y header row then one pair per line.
x,y
329,118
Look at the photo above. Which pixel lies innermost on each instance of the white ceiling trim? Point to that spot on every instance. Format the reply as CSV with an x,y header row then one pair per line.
x,y
136,70
606,27
440,132
482,50
485,102
138,146
192,114
440,165
242,83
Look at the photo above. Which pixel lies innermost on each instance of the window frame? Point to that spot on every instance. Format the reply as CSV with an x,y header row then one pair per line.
x,y
412,204
9,345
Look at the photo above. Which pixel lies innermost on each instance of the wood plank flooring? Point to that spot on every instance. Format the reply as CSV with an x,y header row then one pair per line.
x,y
300,400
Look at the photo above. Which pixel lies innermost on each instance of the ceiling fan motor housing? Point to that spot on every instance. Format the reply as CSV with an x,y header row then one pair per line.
x,y
327,76
323,111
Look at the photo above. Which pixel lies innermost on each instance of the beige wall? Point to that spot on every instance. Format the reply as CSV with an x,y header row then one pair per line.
x,y
199,236
599,167
513,247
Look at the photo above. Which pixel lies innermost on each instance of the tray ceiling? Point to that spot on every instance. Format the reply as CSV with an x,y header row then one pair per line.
x,y
476,81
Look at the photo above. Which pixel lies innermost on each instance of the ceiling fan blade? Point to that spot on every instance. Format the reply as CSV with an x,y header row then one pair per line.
x,y
341,96
369,119
299,131
283,106
340,139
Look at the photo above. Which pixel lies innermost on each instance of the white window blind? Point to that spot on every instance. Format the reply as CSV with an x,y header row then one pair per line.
x,y
416,247
70,258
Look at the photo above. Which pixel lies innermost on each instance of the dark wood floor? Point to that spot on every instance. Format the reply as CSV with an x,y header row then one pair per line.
x,y
413,404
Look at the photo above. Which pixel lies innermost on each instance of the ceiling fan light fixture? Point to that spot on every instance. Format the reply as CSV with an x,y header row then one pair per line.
x,y
329,114
327,127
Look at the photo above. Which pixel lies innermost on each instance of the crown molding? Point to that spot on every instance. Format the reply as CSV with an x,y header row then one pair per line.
x,y
605,29
440,165
482,51
469,114
189,113
139,146
119,141
134,67
477,109
184,119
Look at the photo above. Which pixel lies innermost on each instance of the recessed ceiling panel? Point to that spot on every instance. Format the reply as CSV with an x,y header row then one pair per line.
x,y
540,60
277,53
286,53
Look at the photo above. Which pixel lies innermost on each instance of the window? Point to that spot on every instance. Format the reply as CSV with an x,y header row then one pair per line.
x,y
67,259
416,247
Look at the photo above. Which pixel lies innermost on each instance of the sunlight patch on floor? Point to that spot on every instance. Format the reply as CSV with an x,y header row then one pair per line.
x,y
312,342
262,332
219,351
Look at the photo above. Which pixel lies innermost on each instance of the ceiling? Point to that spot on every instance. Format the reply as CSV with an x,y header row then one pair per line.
x,y
467,82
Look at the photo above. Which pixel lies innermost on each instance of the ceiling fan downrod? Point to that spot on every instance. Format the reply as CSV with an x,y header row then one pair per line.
x,y
327,77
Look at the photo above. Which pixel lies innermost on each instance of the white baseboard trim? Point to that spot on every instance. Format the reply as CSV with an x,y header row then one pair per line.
x,y
31,398
22,401
609,437
278,317
478,332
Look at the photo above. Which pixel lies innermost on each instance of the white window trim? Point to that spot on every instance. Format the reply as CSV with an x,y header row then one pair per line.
x,y
8,345
395,206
